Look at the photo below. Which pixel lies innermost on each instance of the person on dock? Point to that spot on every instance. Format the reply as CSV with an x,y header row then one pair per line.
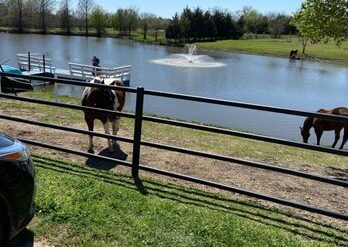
x,y
95,63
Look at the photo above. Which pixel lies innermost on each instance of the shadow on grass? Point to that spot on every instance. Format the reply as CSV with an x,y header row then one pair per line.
x,y
339,173
249,210
24,239
104,164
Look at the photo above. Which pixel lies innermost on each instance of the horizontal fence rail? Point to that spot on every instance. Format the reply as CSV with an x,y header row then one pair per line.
x,y
245,135
68,106
247,163
188,97
293,204
186,151
233,189
246,105
69,82
64,128
138,142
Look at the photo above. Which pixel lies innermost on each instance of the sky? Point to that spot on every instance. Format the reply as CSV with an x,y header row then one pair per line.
x,y
167,8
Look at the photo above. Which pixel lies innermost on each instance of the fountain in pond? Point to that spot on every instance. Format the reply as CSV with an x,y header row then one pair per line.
x,y
189,59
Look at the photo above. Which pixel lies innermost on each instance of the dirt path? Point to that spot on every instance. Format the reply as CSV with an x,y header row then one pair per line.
x,y
270,183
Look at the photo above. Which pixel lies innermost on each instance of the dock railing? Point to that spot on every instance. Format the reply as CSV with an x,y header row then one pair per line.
x,y
87,71
138,143
35,61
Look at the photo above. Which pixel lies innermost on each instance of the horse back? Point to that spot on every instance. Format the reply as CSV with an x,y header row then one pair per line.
x,y
343,111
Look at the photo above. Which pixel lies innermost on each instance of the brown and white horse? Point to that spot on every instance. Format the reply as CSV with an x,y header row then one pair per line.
x,y
321,125
107,99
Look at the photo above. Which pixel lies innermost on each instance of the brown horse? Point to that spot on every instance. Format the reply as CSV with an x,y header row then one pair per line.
x,y
321,125
107,99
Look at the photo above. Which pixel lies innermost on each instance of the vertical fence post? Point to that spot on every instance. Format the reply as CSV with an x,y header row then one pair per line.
x,y
44,64
29,65
137,131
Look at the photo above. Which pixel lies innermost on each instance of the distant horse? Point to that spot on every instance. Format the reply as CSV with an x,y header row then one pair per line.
x,y
107,99
321,125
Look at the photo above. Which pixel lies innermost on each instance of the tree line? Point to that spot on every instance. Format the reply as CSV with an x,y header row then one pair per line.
x,y
316,21
21,15
191,25
199,25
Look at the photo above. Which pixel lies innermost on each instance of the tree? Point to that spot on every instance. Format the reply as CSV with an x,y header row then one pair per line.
x,y
14,13
159,24
125,20
99,20
252,20
3,13
65,15
185,23
19,7
85,7
321,20
276,24
173,31
147,21
209,26
45,8
132,19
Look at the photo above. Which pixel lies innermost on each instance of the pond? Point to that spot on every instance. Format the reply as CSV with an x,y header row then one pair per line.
x,y
272,81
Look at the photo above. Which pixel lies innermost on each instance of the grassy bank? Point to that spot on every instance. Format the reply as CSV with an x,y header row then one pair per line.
x,y
80,206
281,47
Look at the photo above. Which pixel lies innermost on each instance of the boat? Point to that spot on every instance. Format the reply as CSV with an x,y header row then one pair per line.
x,y
11,84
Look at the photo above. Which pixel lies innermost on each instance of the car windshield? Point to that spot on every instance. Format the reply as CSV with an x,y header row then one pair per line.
x,y
5,141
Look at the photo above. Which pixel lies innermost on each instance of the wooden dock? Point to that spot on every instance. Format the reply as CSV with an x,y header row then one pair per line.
x,y
39,65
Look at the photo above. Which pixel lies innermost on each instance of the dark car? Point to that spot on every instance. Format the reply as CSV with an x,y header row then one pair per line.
x,y
17,188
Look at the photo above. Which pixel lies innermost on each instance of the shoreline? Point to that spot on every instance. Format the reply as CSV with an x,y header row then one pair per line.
x,y
247,46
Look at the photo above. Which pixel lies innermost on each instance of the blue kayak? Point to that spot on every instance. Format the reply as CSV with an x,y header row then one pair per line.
x,y
12,84
10,69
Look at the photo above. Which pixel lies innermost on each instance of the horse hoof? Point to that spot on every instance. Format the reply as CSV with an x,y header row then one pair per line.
x,y
91,151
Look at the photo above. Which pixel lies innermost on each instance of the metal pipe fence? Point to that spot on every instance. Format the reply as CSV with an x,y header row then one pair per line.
x,y
138,142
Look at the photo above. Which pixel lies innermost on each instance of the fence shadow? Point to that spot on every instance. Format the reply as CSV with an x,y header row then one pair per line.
x,y
24,239
104,164
310,229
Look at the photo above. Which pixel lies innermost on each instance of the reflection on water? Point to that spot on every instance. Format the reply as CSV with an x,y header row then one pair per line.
x,y
248,78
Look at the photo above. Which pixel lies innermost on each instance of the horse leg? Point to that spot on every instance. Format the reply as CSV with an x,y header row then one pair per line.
x,y
115,128
106,128
345,137
90,124
319,133
337,137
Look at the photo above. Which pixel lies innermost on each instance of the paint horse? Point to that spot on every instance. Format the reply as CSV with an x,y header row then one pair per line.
x,y
321,125
103,98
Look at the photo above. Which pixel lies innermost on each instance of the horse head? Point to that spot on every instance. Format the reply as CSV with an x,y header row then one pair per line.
x,y
305,134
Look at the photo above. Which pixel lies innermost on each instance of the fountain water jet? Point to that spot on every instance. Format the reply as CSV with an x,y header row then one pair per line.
x,y
189,59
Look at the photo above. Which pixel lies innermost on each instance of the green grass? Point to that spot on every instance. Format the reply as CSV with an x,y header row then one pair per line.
x,y
139,36
281,47
80,206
